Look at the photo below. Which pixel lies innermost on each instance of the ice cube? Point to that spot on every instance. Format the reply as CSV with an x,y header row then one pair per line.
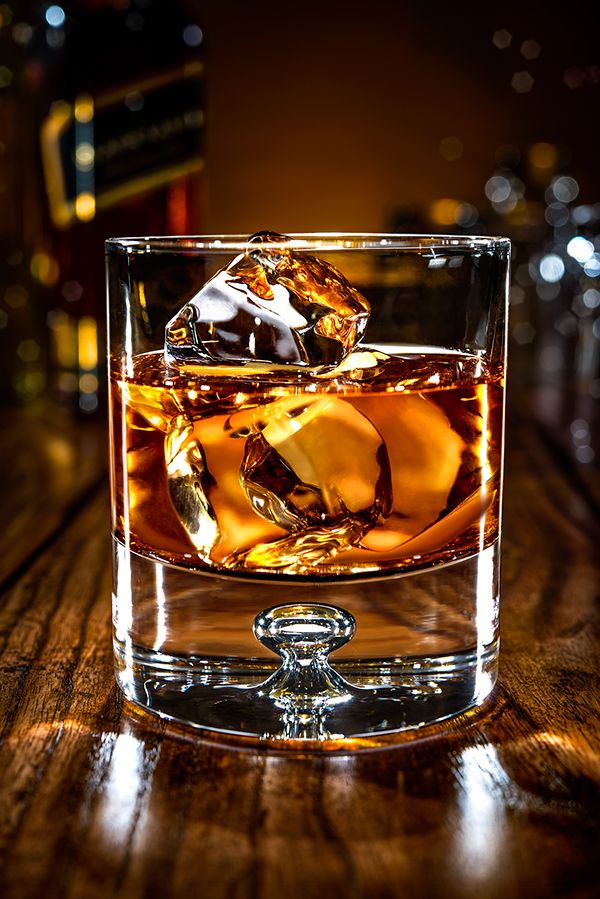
x,y
189,481
425,454
299,553
273,305
152,404
319,470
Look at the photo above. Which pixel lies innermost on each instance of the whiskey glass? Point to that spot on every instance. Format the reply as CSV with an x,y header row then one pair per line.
x,y
307,547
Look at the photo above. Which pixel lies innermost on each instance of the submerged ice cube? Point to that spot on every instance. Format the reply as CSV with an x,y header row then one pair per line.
x,y
188,481
274,305
299,553
320,471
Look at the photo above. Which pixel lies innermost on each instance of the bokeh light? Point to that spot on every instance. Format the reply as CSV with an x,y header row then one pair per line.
x,y
497,188
523,333
592,266
564,188
547,291
134,21
72,291
44,269
522,82
580,249
15,296
543,155
583,215
134,101
502,39
591,298
192,35
552,268
28,350
557,214
55,16
451,148
85,207
22,33
530,49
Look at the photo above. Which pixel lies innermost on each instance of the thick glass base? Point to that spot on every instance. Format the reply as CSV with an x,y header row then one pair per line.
x,y
407,651
388,696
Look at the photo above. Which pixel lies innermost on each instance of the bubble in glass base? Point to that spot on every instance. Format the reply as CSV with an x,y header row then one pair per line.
x,y
188,647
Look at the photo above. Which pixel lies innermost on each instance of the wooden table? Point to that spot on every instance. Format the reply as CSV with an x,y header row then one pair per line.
x,y
97,801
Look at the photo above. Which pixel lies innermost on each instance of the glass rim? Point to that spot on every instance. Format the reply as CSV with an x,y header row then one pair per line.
x,y
319,241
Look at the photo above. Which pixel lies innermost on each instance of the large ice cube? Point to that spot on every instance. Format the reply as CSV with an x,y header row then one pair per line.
x,y
318,469
270,305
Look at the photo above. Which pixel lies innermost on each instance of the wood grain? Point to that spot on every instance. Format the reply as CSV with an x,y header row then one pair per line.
x,y
98,800
49,464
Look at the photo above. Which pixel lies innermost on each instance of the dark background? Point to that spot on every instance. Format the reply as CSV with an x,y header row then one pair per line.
x,y
332,115
380,116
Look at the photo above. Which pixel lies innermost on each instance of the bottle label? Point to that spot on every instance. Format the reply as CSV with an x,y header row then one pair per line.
x,y
98,151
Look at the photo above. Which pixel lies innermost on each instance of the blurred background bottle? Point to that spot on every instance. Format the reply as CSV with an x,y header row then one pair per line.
x,y
102,134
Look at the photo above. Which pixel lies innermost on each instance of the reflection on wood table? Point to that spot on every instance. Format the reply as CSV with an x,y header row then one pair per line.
x,y
99,800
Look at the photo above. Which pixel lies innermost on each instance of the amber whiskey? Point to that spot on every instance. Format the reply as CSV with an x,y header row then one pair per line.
x,y
391,461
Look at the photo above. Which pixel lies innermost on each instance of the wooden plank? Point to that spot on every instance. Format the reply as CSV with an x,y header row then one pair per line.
x,y
49,463
100,801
